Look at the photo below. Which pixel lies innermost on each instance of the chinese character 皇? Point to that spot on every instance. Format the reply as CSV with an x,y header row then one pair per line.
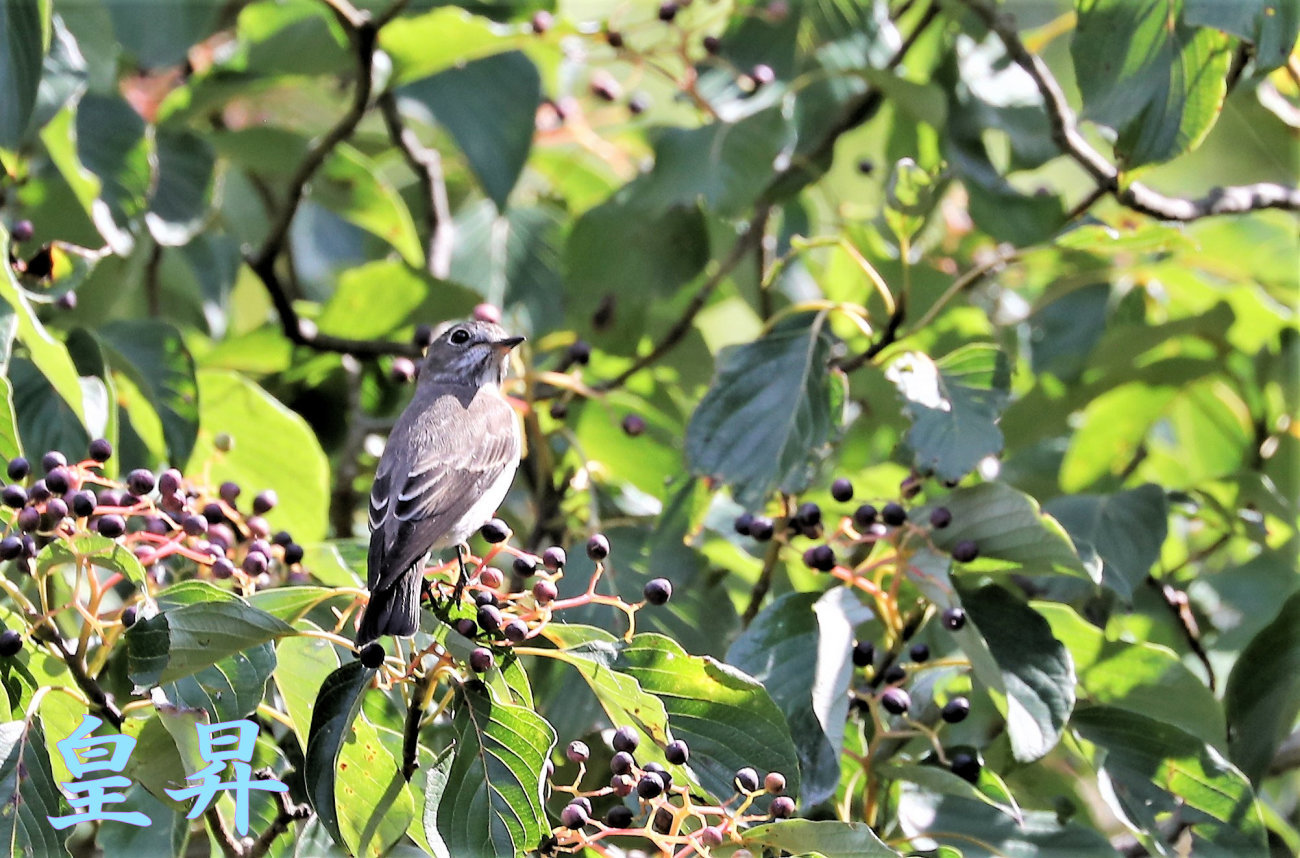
x,y
237,749
83,754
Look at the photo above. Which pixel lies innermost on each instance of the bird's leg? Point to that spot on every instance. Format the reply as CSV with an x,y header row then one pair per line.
x,y
461,548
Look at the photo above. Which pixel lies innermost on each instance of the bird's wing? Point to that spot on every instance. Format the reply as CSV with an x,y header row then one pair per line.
x,y
437,465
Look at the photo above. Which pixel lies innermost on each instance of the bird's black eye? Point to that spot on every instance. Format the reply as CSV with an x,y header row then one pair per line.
x,y
460,336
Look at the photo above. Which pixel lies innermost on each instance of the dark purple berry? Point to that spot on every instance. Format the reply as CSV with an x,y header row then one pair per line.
x,y
129,615
222,569
66,301
480,660
619,816
111,526
864,653
29,518
956,710
577,752
255,563
774,783
101,450
229,492
580,352
515,631
18,468
633,424
966,767
281,537
83,504
523,567
762,528
495,531
940,517
638,103
953,619
820,558
842,490
625,739
712,44
893,515
667,11
742,523
489,618
621,763
573,816
11,548
11,643
650,785
265,501
659,770
553,558
920,653
910,487
23,231
14,496
372,655
746,780
895,700
140,481
864,516
51,460
782,807
466,627
169,482
677,752
965,551
39,492
809,515
658,591
894,674
622,785
58,481
56,509
258,526
598,547
195,525
213,512
614,38
423,337
866,166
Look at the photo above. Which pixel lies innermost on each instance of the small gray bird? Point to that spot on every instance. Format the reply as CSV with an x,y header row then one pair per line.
x,y
448,465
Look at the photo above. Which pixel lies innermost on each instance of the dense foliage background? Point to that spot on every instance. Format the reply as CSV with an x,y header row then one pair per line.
x,y
1030,263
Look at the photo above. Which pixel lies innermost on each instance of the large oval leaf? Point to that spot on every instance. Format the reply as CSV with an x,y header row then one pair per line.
x,y
182,641
24,32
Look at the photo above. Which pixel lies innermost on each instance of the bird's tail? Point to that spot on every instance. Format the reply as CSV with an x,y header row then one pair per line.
x,y
393,610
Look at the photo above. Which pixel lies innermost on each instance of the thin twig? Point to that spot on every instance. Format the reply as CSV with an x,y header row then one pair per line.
x,y
411,729
762,585
752,238
222,834
426,163
343,500
1065,133
289,812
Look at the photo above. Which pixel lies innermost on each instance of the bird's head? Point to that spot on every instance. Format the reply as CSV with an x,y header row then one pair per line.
x,y
468,353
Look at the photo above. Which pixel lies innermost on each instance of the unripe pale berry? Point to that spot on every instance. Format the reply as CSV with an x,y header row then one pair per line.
x,y
782,807
578,752
553,558
774,783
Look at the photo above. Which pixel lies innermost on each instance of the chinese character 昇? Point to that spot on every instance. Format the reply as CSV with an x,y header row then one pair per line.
x,y
83,754
234,747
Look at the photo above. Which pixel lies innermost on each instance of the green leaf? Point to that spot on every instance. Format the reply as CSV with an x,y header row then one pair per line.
x,y
1125,530
291,603
95,550
513,259
24,34
1263,692
727,718
302,666
1161,86
489,107
45,420
374,804
1112,429
1154,769
112,143
988,788
979,830
435,788
954,404
182,641
1271,26
646,254
153,355
273,446
1136,676
423,45
379,298
297,37
337,704
829,838
1030,673
161,40
766,420
491,800
27,793
799,647
1012,532
168,835
182,199
230,689
352,186
10,444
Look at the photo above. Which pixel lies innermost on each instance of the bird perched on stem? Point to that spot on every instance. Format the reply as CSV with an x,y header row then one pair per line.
x,y
448,465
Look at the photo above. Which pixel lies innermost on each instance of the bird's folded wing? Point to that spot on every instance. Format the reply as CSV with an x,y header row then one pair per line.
x,y
436,466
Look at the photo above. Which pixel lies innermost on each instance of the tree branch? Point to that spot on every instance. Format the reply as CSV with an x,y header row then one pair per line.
x,y
1065,133
225,838
427,166
288,813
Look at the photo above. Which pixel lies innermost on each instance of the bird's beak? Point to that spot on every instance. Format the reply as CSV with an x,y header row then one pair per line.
x,y
508,343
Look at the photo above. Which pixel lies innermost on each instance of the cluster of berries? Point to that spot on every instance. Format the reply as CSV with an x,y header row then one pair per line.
x,y
649,802
495,611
